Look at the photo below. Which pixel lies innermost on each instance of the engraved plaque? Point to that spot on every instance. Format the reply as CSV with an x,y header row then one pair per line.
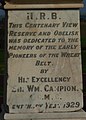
x,y
44,64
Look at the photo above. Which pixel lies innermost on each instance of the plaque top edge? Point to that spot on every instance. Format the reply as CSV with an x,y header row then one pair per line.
x,y
38,6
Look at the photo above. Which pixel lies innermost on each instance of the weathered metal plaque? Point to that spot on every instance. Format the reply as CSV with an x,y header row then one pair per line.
x,y
44,64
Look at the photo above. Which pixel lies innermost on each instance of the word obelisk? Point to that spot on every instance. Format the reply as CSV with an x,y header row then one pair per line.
x,y
44,60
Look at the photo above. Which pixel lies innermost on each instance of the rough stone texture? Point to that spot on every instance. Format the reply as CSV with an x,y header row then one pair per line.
x,y
44,64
